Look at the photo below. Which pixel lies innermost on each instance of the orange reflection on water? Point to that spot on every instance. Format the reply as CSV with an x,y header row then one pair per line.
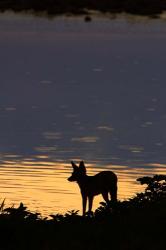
x,y
42,184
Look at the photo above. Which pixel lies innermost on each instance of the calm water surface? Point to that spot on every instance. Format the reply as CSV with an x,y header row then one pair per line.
x,y
71,90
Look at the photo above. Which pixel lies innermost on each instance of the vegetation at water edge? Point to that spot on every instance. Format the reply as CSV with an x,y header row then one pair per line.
x,y
134,224
56,7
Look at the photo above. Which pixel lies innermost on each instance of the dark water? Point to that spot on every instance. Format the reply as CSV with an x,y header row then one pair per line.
x,y
74,90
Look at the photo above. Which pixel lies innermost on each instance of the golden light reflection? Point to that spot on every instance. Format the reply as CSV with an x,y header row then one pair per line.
x,y
42,184
86,139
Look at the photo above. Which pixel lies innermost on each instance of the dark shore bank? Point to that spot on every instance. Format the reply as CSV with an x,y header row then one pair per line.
x,y
138,223
57,7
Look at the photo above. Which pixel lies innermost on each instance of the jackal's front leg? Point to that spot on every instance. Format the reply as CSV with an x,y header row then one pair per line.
x,y
84,201
90,203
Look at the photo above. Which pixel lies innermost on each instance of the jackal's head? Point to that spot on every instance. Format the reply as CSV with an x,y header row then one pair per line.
x,y
78,172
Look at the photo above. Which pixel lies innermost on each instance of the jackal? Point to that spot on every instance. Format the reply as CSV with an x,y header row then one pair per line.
x,y
104,182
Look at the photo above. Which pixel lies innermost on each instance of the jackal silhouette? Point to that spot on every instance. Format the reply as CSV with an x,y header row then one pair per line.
x,y
105,182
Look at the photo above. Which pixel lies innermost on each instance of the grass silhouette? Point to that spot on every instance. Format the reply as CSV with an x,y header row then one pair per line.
x,y
54,7
137,223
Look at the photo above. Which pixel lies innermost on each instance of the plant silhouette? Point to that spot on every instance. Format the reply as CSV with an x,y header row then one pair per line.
x,y
56,7
137,223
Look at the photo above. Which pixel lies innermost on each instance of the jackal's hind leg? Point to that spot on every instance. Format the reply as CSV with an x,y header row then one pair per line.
x,y
105,197
113,193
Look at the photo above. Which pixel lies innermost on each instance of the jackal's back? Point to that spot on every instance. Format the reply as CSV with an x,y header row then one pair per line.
x,y
102,182
106,178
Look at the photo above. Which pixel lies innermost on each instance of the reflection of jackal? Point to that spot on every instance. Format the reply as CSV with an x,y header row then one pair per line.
x,y
102,183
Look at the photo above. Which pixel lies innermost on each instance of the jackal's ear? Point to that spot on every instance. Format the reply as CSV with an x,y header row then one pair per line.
x,y
82,166
74,165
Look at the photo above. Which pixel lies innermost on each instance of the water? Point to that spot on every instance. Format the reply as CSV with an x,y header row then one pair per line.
x,y
71,90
